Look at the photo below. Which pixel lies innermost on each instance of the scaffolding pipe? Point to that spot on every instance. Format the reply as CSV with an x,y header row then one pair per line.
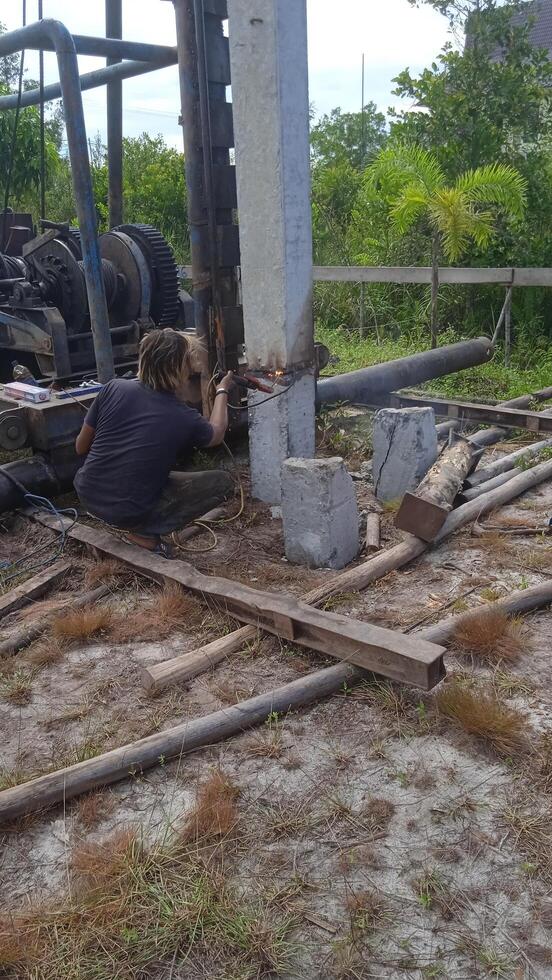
x,y
193,155
92,79
106,47
371,385
58,35
114,29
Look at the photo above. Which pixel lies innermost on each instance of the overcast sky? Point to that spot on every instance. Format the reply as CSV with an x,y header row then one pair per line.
x,y
391,34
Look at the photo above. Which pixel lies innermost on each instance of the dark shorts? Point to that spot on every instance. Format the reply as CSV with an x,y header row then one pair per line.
x,y
186,497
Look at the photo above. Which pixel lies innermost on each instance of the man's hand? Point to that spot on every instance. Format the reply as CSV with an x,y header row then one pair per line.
x,y
227,382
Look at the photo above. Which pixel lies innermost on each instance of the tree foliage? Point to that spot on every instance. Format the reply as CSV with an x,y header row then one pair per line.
x,y
415,188
20,156
351,138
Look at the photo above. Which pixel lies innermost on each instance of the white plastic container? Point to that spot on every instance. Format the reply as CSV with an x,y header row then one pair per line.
x,y
26,393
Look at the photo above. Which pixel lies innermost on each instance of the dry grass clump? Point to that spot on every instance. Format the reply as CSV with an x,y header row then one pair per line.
x,y
104,572
82,624
214,814
491,635
92,808
377,814
168,611
43,652
368,910
137,911
479,712
16,687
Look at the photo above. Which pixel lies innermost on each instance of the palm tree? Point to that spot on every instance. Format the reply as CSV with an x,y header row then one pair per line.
x,y
415,188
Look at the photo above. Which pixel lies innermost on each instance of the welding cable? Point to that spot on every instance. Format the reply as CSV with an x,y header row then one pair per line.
x,y
249,408
18,567
225,520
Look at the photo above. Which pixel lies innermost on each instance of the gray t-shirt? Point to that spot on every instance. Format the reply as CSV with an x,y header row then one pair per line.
x,y
139,435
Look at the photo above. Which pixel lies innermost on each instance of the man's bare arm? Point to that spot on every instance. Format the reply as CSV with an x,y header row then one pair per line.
x,y
219,415
85,439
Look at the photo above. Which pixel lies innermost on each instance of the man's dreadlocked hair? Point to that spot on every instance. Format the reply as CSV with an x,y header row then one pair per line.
x,y
163,358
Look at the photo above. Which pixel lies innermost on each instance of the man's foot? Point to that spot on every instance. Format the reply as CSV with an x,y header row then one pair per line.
x,y
149,543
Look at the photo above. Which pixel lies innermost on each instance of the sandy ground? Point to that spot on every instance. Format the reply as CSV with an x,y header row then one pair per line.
x,y
369,794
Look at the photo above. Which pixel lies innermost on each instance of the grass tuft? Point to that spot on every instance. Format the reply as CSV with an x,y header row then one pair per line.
x,y
491,635
368,910
136,911
214,814
168,611
92,808
481,713
104,572
79,625
17,687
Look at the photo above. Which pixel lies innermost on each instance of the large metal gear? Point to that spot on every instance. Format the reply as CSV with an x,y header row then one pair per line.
x,y
158,254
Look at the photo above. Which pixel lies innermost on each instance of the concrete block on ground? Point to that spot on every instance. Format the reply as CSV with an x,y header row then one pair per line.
x,y
319,512
405,447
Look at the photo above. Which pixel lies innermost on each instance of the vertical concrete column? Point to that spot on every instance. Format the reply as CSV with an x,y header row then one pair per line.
x,y
268,54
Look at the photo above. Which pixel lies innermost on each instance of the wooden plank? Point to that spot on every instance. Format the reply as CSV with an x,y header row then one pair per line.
x,y
421,275
371,647
33,588
513,418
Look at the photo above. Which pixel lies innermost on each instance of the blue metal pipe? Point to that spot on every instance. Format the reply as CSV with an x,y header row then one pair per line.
x,y
92,79
56,33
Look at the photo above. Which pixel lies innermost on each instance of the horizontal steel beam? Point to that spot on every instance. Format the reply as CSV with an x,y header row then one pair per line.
x,y
109,47
513,418
422,275
92,79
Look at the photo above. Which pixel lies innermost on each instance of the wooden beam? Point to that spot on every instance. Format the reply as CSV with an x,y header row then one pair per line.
x,y
367,646
513,418
421,275
33,588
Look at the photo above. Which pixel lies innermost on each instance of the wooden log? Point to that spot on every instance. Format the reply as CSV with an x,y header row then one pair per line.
x,y
506,463
370,647
498,481
514,604
373,532
495,498
110,767
159,676
28,634
424,512
33,588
